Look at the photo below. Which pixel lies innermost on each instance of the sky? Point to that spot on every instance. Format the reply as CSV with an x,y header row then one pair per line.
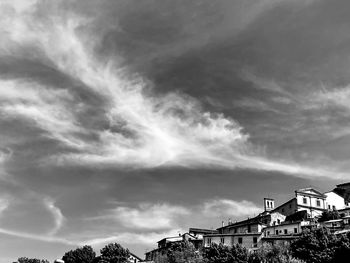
x,y
128,121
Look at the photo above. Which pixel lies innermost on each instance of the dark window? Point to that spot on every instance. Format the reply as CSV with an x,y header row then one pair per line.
x,y
282,210
240,240
285,231
304,200
222,240
255,241
268,233
276,232
295,230
290,205
318,203
329,206
278,221
249,229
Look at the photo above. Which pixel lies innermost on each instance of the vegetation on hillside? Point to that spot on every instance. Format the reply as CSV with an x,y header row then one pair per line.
x,y
313,246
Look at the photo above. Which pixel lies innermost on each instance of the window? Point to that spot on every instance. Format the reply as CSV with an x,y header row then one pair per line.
x,y
209,241
240,240
235,230
304,200
222,240
276,232
282,210
278,221
249,229
290,205
255,241
285,231
329,207
318,202
295,230
268,233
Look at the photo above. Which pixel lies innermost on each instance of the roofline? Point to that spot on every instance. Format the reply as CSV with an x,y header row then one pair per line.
x,y
169,237
135,256
201,230
241,223
334,193
343,184
283,204
285,224
235,234
319,193
281,237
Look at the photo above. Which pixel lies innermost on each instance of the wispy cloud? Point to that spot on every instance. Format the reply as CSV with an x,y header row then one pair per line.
x,y
140,130
223,208
43,238
56,213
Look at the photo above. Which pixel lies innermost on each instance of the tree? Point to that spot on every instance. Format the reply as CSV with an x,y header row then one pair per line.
x,y
329,215
183,251
224,254
315,246
114,253
273,254
31,260
83,254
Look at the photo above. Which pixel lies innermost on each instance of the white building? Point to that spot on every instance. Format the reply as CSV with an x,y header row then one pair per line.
x,y
335,201
250,241
308,199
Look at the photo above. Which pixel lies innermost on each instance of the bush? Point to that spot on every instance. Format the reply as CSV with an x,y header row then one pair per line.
x,y
320,246
83,254
224,254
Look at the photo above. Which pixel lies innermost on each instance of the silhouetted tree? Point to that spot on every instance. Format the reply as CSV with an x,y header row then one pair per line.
x,y
114,253
315,246
31,260
83,254
329,215
273,254
183,251
224,254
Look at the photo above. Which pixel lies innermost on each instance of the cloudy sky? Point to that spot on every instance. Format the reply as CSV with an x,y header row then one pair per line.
x,y
128,121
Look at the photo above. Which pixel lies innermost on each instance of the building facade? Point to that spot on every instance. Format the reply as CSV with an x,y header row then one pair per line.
x,y
307,199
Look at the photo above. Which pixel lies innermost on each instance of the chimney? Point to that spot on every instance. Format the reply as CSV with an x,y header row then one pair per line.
x,y
222,223
229,221
269,204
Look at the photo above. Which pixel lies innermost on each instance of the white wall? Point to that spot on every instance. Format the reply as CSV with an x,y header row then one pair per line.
x,y
310,201
229,240
334,200
271,231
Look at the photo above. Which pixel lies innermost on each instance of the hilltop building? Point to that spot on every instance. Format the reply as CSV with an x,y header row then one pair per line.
x,y
194,236
275,225
306,199
134,259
